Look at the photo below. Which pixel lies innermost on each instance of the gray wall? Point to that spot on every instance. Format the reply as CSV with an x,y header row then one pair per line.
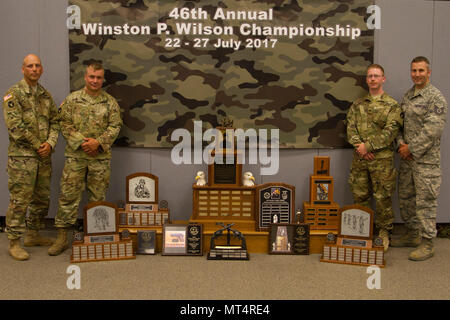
x,y
409,28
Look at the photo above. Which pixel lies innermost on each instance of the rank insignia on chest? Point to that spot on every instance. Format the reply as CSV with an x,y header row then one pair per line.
x,y
438,110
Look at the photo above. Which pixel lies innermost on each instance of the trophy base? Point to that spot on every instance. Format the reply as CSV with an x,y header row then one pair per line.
x,y
361,256
228,253
89,252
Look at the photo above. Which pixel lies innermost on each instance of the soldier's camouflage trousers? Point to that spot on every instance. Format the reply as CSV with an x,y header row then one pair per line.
x,y
29,189
374,178
418,190
79,174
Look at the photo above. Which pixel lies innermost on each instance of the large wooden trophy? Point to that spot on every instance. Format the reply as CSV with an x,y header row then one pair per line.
x,y
354,244
142,213
321,212
223,197
102,240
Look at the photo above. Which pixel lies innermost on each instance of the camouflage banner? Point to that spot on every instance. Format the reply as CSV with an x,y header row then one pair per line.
x,y
291,65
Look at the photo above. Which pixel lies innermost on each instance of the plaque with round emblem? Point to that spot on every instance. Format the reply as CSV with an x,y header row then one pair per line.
x,y
120,204
378,242
125,234
301,231
163,204
331,237
194,230
78,237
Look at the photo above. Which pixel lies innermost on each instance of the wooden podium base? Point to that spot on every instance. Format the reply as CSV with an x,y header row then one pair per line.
x,y
257,241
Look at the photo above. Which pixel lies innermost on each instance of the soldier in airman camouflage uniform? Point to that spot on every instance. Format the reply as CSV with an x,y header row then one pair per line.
x,y
31,118
90,121
373,123
425,110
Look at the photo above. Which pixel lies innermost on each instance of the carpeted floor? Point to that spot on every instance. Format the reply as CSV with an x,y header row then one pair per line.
x,y
271,277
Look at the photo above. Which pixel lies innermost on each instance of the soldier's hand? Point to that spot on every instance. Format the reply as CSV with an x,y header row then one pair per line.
x,y
361,149
404,152
90,146
44,150
369,156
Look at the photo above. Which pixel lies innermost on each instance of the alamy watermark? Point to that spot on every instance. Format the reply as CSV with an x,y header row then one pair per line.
x,y
74,280
374,281
374,20
221,149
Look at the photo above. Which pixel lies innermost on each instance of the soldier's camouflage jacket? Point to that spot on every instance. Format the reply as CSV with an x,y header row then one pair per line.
x,y
425,113
84,116
31,119
375,122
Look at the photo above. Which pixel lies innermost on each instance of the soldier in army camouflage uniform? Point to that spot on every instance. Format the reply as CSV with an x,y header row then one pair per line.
x,y
373,123
90,121
425,110
31,118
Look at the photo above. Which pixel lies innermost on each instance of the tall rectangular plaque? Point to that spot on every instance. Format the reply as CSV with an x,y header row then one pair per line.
x,y
194,240
276,203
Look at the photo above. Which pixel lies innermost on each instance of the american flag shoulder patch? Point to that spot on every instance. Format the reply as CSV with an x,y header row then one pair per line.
x,y
7,97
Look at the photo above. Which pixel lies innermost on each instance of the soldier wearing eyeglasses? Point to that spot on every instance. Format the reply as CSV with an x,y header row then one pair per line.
x,y
373,123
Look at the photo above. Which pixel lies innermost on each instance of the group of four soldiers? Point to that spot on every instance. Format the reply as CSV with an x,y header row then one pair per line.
x,y
89,119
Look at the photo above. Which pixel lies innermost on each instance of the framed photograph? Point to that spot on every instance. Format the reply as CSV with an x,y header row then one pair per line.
x,y
281,238
174,239
276,203
100,218
142,187
289,238
321,189
356,222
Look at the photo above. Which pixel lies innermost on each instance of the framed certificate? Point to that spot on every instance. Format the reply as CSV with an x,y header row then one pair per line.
x,y
174,239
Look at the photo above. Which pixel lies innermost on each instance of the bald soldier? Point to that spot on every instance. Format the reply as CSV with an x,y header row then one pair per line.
x,y
31,118
425,112
373,123
90,121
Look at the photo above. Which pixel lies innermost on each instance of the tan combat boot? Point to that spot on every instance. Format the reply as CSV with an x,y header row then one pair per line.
x,y
411,238
16,251
424,251
61,243
33,238
384,234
